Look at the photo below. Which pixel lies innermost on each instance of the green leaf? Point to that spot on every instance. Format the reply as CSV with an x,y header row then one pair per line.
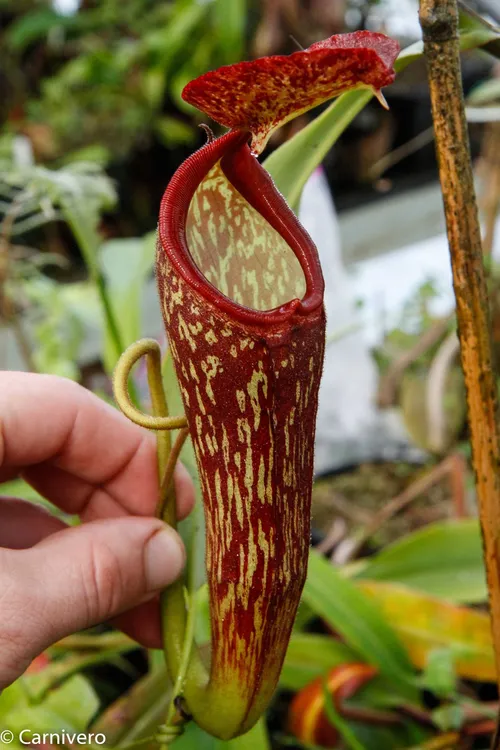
x,y
38,719
256,739
449,718
393,738
444,560
75,701
292,163
202,631
30,27
171,131
126,264
153,84
200,60
230,23
95,153
487,92
69,707
81,301
194,737
439,675
170,39
21,489
309,656
12,696
338,722
346,609
473,22
303,617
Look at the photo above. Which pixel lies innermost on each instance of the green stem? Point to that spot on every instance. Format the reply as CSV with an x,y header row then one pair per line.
x,y
98,642
88,246
88,242
39,685
159,407
178,628
136,714
186,651
137,743
337,721
167,508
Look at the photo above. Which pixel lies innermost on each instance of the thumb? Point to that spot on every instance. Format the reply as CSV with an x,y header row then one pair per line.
x,y
77,578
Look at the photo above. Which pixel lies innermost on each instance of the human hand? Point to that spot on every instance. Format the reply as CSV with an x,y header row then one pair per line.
x,y
87,459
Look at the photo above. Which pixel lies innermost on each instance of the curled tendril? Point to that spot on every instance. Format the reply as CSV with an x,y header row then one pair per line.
x,y
167,734
151,350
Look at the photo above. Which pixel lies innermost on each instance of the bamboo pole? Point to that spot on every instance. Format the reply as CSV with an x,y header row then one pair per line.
x,y
439,22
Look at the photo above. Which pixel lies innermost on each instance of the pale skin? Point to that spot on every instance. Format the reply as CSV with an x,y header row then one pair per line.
x,y
89,460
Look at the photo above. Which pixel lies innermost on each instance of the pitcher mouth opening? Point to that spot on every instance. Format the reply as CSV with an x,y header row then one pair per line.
x,y
254,185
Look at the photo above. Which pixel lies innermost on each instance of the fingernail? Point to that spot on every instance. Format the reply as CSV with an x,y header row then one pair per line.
x,y
164,558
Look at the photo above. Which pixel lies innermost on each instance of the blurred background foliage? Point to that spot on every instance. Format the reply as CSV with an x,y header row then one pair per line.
x,y
103,81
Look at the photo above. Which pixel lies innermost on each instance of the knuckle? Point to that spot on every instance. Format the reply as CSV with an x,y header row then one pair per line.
x,y
103,583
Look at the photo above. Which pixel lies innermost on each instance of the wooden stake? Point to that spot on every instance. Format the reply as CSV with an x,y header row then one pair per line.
x,y
439,22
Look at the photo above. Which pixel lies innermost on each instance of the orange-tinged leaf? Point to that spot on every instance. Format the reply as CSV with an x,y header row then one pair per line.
x,y
446,741
261,95
307,718
424,623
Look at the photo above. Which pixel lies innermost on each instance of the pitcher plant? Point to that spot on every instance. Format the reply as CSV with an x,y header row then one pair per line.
x,y
241,292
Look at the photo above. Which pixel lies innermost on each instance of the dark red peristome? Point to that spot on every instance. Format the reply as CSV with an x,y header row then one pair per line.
x,y
246,174
260,95
249,380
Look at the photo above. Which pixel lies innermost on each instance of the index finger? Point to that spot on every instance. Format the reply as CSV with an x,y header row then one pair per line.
x,y
78,451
